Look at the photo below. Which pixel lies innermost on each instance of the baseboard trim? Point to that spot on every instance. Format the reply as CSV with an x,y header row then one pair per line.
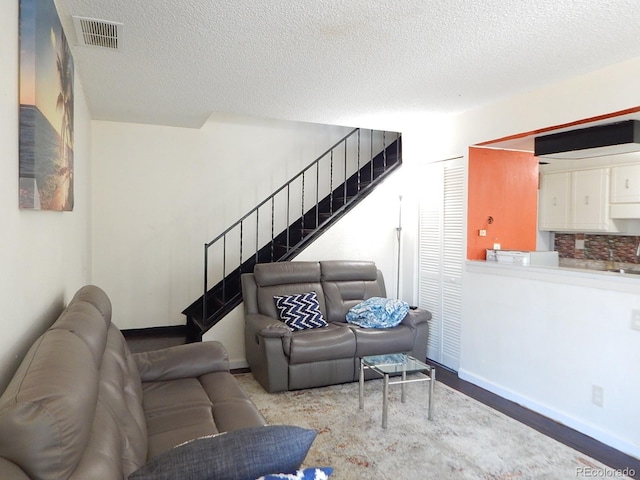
x,y
585,428
239,365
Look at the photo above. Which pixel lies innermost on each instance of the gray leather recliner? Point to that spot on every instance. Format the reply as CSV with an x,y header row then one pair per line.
x,y
281,359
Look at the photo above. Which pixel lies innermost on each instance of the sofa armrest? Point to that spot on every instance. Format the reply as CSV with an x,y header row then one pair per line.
x,y
266,326
416,317
182,361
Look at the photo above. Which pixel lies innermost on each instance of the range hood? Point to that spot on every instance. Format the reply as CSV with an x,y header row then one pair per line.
x,y
597,141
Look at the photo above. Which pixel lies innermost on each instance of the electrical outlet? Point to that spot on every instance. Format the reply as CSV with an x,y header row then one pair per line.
x,y
635,319
482,233
597,395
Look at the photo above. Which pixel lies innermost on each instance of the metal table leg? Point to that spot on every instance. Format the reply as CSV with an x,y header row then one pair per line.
x,y
403,387
432,382
385,400
361,385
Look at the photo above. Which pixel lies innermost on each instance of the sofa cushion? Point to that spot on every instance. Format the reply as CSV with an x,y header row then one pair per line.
x,y
266,305
176,411
232,408
121,392
378,312
346,284
83,320
244,454
331,342
182,409
96,297
49,406
103,456
348,270
300,311
285,273
378,341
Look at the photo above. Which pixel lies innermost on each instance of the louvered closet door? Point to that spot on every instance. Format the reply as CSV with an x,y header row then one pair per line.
x,y
441,257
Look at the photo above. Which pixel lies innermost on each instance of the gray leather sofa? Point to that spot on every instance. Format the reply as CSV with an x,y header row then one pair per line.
x,y
82,407
282,359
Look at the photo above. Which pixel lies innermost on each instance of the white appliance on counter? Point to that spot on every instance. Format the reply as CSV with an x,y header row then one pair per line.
x,y
521,257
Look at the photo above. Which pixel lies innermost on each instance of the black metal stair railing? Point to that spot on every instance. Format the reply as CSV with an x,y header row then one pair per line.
x,y
280,226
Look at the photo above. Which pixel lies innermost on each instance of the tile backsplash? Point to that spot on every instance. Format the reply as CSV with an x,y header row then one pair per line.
x,y
586,246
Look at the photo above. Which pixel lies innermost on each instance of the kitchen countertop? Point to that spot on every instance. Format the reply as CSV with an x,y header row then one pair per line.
x,y
601,266
572,275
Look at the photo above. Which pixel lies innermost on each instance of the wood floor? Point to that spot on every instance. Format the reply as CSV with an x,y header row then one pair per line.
x,y
576,440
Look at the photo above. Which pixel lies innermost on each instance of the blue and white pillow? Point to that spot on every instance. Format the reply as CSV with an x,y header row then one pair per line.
x,y
377,312
300,311
304,474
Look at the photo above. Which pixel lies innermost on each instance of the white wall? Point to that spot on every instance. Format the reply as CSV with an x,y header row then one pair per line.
x,y
161,192
44,256
545,342
537,343
604,91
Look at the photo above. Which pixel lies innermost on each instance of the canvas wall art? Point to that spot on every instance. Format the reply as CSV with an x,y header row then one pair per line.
x,y
46,109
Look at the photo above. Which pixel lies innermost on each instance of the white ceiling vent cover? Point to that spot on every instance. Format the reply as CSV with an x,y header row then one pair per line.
x,y
92,32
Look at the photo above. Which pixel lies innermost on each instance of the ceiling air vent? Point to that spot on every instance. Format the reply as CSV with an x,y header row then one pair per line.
x,y
92,32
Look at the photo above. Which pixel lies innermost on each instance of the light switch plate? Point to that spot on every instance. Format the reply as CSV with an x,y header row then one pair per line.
x,y
635,319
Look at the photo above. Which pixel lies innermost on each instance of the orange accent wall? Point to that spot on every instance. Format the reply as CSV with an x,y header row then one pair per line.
x,y
503,185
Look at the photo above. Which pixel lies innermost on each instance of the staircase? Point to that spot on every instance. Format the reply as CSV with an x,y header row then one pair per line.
x,y
281,226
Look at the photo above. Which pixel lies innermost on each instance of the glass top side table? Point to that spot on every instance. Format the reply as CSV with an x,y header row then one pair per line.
x,y
396,364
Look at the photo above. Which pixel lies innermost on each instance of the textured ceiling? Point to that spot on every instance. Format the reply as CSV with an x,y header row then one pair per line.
x,y
338,61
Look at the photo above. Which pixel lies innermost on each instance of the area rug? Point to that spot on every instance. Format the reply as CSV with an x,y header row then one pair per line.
x,y
465,440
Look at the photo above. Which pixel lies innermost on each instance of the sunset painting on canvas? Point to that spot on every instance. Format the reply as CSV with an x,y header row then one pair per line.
x,y
46,109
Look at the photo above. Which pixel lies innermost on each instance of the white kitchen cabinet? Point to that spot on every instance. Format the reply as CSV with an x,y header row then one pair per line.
x,y
575,201
554,199
625,184
590,200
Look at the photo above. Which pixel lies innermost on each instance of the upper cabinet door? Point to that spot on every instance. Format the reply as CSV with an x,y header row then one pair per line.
x,y
554,200
625,184
576,201
590,199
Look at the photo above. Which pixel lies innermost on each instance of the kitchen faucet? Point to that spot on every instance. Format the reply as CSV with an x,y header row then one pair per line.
x,y
611,264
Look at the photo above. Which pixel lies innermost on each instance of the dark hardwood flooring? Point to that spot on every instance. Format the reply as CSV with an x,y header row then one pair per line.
x,y
155,338
611,457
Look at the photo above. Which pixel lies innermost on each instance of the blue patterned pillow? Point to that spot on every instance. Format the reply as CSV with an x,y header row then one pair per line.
x,y
300,311
238,455
377,312
304,474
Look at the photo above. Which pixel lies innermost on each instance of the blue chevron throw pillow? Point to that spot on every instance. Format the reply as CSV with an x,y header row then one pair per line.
x,y
300,311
